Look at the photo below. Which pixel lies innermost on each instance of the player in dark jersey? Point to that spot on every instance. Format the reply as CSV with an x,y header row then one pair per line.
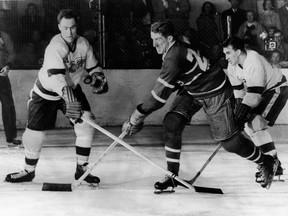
x,y
67,57
200,84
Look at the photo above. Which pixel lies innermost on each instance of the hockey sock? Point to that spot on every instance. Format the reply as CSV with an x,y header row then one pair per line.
x,y
264,142
32,141
174,125
82,155
243,147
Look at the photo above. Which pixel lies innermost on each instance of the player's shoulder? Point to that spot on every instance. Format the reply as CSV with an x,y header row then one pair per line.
x,y
231,69
57,43
253,56
82,40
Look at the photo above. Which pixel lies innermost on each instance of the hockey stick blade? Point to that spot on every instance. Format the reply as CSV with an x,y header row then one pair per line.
x,y
208,190
56,187
201,189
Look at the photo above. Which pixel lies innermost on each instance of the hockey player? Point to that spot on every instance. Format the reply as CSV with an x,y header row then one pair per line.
x,y
199,84
67,57
261,92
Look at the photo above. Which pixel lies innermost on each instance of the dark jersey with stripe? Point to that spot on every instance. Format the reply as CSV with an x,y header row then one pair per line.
x,y
185,67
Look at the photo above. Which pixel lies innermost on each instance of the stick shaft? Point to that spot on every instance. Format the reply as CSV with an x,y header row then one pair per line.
x,y
96,126
92,167
205,164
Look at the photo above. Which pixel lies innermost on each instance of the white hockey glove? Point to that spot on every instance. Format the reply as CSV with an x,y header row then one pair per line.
x,y
72,105
98,81
135,123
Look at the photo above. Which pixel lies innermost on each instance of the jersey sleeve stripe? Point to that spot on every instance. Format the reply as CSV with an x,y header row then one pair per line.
x,y
166,84
255,89
238,87
156,97
56,71
94,69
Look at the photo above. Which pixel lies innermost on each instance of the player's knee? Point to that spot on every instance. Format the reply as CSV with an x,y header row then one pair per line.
x,y
231,144
174,123
238,144
258,123
84,129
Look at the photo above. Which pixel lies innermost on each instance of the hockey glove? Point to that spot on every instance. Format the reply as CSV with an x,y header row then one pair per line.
x,y
241,115
73,106
135,123
99,83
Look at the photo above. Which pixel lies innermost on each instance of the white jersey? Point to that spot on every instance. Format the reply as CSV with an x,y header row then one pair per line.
x,y
68,64
255,78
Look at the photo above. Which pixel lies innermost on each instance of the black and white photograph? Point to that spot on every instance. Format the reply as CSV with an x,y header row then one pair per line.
x,y
143,107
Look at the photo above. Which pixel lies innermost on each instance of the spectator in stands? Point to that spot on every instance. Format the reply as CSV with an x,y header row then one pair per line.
x,y
269,18
141,13
7,58
282,47
283,15
159,9
238,17
250,32
31,54
177,11
275,59
207,28
31,21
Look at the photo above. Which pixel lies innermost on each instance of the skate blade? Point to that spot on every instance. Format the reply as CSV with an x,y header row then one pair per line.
x,y
86,185
12,146
164,191
278,179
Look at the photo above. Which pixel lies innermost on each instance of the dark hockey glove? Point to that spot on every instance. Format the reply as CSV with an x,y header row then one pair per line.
x,y
99,83
72,105
241,115
135,123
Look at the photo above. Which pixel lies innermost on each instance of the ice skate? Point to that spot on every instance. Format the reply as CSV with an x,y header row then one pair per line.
x,y
23,176
14,143
92,180
167,185
278,174
267,171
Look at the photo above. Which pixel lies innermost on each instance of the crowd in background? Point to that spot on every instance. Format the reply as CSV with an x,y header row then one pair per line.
x,y
127,27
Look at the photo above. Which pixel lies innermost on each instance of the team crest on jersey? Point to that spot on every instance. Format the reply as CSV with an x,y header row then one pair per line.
x,y
74,65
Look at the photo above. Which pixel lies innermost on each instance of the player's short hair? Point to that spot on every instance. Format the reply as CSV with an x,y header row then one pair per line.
x,y
235,42
165,28
68,14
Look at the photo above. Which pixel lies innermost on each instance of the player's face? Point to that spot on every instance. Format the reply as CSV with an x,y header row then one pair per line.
x,y
159,42
68,29
231,55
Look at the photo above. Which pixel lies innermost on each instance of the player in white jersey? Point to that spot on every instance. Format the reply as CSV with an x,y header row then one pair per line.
x,y
261,93
67,57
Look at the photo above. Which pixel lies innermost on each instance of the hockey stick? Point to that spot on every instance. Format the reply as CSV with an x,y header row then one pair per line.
x,y
186,184
76,183
216,190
